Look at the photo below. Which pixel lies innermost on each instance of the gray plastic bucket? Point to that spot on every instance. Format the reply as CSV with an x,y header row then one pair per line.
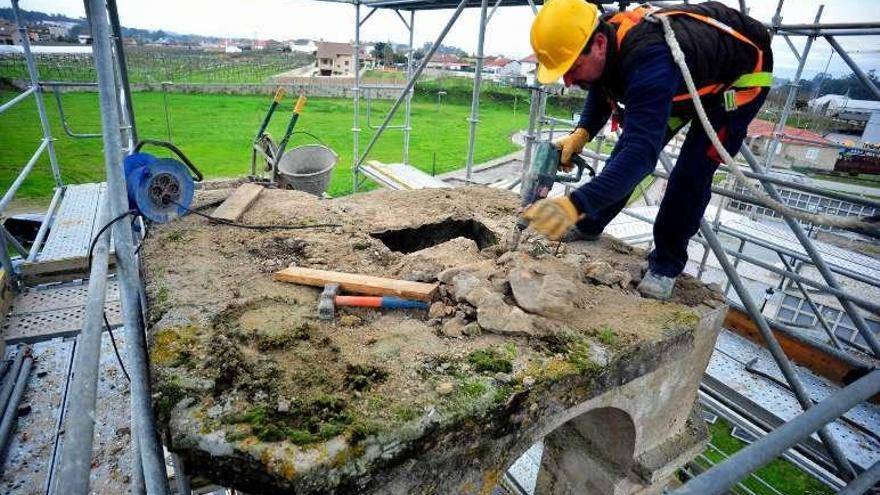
x,y
307,168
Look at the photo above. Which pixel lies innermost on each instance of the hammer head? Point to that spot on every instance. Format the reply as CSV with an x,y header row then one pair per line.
x,y
327,302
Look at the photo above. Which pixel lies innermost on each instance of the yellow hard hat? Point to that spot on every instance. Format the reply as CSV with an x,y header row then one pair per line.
x,y
559,34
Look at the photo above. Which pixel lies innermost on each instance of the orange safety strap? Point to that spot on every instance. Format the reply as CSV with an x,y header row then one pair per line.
x,y
705,90
743,96
628,20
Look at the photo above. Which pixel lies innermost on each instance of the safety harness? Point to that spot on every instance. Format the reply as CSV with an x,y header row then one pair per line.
x,y
741,91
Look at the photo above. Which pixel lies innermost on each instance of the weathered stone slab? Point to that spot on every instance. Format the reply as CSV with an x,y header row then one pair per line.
x,y
260,395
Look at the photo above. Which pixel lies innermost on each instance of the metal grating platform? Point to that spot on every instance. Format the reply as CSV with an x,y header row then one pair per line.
x,y
37,442
400,176
44,313
857,431
74,224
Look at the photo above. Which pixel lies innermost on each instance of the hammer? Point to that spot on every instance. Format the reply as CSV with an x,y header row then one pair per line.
x,y
330,299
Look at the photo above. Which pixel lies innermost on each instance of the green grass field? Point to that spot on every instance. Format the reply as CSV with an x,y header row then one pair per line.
x,y
215,131
780,474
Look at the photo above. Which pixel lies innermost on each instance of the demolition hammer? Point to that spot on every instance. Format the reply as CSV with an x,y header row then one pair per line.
x,y
540,178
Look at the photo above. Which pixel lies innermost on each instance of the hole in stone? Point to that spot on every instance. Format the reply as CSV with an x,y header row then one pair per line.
x,y
410,240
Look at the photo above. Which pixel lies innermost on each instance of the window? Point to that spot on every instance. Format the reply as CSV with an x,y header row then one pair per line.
x,y
811,154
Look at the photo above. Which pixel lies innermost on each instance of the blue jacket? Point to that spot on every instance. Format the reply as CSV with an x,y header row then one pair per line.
x,y
650,84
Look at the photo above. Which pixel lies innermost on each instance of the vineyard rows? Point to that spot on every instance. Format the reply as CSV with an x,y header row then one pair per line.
x,y
151,65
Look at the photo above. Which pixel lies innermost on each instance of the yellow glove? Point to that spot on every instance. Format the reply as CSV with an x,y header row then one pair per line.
x,y
571,144
552,217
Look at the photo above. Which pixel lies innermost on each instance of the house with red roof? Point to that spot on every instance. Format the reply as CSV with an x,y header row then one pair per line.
x,y
796,147
447,61
528,68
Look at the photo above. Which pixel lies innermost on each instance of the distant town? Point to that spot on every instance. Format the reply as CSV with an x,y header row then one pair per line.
x,y
331,58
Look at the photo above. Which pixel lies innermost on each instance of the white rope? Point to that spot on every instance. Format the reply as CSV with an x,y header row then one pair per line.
x,y
850,223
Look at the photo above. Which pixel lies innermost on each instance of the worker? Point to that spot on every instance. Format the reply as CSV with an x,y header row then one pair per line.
x,y
627,67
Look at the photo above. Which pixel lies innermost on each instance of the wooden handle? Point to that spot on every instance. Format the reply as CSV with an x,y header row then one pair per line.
x,y
279,94
300,103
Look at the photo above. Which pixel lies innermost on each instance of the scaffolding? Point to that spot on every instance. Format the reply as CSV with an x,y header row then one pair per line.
x,y
120,136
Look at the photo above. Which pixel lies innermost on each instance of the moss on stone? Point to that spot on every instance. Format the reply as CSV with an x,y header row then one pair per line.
x,y
493,359
361,377
556,368
168,393
606,335
320,418
348,455
681,319
502,393
578,354
162,295
174,346
236,435
283,340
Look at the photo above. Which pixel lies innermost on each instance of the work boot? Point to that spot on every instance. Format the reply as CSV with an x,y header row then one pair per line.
x,y
656,286
574,234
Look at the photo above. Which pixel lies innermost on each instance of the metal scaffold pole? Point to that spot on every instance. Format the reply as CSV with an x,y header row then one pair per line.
x,y
773,345
724,475
854,66
38,93
125,87
143,418
816,258
407,117
411,83
475,98
76,457
356,97
792,92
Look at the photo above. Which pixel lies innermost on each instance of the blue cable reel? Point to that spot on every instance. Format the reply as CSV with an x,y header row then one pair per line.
x,y
161,189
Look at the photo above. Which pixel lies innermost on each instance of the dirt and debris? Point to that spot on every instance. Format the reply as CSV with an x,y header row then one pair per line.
x,y
260,394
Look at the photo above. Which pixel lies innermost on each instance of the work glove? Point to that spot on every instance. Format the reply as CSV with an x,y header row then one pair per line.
x,y
552,217
569,145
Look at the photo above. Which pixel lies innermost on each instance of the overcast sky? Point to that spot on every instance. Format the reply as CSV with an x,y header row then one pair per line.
x,y
508,32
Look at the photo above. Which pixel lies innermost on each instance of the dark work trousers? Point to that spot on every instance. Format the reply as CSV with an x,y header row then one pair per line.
x,y
689,188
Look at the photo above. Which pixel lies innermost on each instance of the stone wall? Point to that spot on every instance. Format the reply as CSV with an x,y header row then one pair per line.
x,y
315,86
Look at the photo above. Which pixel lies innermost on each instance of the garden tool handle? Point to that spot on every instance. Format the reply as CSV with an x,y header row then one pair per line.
x,y
279,95
300,103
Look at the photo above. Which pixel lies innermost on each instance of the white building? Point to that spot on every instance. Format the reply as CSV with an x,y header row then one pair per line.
x,y
844,107
529,69
303,46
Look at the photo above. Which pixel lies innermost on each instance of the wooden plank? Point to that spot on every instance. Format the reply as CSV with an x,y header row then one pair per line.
x,y
238,202
361,284
60,270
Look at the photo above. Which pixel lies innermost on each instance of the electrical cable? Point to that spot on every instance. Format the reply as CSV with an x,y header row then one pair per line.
x,y
104,313
115,349
101,231
146,233
230,223
866,225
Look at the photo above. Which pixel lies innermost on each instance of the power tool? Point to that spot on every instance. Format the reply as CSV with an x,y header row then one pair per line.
x,y
540,178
